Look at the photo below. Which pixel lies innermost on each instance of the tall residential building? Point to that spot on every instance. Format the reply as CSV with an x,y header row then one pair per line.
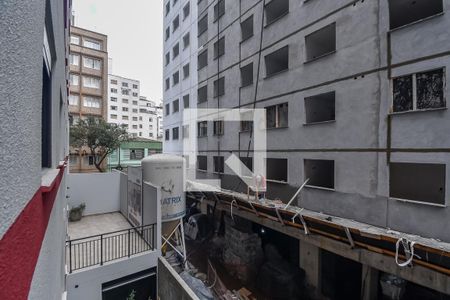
x,y
150,116
34,143
88,86
355,98
180,67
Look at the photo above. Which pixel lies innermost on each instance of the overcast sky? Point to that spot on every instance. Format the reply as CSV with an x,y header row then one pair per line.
x,y
134,29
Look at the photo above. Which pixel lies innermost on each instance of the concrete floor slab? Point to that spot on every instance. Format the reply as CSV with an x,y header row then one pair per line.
x,y
97,224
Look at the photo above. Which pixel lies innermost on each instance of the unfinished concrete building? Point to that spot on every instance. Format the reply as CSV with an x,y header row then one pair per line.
x,y
355,94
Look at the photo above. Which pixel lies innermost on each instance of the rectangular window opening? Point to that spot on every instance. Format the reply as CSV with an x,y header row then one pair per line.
x,y
202,59
321,42
219,48
202,128
277,169
218,127
406,12
277,61
276,9
202,25
320,108
277,116
247,75
247,28
218,164
202,94
320,173
219,9
202,162
219,87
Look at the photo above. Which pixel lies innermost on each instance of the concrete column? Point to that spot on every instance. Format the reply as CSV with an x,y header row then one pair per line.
x,y
310,262
369,283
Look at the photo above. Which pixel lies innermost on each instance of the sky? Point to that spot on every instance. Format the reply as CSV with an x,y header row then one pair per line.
x,y
134,30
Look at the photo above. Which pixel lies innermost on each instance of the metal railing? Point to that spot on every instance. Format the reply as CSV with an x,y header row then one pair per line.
x,y
99,249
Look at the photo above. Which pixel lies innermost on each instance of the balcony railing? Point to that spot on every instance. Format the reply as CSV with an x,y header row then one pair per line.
x,y
99,249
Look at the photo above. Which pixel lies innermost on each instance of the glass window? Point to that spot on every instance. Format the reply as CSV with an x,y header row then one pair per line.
x,y
93,102
91,82
92,63
92,44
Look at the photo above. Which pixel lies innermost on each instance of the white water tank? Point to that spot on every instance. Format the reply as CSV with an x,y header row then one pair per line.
x,y
166,171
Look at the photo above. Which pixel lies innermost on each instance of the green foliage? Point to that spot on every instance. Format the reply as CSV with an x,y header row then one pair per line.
x,y
99,136
132,295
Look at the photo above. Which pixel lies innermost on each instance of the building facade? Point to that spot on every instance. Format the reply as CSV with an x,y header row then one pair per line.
x,y
34,137
88,86
151,116
131,153
359,113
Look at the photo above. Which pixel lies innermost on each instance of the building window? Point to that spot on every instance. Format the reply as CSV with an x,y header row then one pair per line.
x,y
134,102
167,134
319,172
202,25
186,71
219,48
219,9
186,101
176,50
135,86
125,84
277,116
167,83
74,79
167,58
202,59
186,40
74,99
277,61
167,33
321,43
136,154
125,92
246,126
247,28
406,12
202,94
202,162
167,109
320,108
75,39
74,59
176,23
92,63
218,164
167,8
113,99
275,10
185,132
113,116
113,107
421,182
91,82
176,106
219,87
247,75
176,78
124,108
93,102
218,127
125,101
135,95
186,10
277,169
92,44
202,128
419,91
114,91
113,81
175,133
134,119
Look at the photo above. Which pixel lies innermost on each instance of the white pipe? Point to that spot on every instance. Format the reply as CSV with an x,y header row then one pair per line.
x,y
296,194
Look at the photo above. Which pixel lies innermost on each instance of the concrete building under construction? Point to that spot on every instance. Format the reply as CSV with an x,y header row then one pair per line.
x,y
355,97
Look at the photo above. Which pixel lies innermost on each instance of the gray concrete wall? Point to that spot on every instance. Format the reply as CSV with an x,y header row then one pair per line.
x,y
99,191
171,285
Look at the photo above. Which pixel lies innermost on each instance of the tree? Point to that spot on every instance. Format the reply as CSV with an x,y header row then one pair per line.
x,y
99,136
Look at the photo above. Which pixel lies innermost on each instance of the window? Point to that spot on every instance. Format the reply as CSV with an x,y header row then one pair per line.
x,y
134,119
91,82
202,163
74,59
176,78
175,133
202,129
114,91
277,61
134,102
219,48
246,126
247,28
125,92
135,86
406,12
320,173
186,101
93,102
167,33
125,84
74,99
218,127
176,106
219,9
167,134
176,23
277,116
202,94
167,58
218,164
320,108
219,87
135,94
113,107
185,71
419,91
92,63
136,154
247,75
124,108
167,83
185,132
202,25
74,79
124,100
113,99
92,44
167,109
176,50
186,10
417,182
114,117
186,40
277,169
321,43
167,8
113,81
75,39
203,59
276,9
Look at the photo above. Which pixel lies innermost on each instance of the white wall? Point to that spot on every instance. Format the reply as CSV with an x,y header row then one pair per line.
x,y
99,191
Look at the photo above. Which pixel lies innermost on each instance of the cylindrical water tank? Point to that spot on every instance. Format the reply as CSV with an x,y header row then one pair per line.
x,y
166,171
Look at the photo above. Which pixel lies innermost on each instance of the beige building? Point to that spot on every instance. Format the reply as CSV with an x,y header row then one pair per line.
x,y
88,86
